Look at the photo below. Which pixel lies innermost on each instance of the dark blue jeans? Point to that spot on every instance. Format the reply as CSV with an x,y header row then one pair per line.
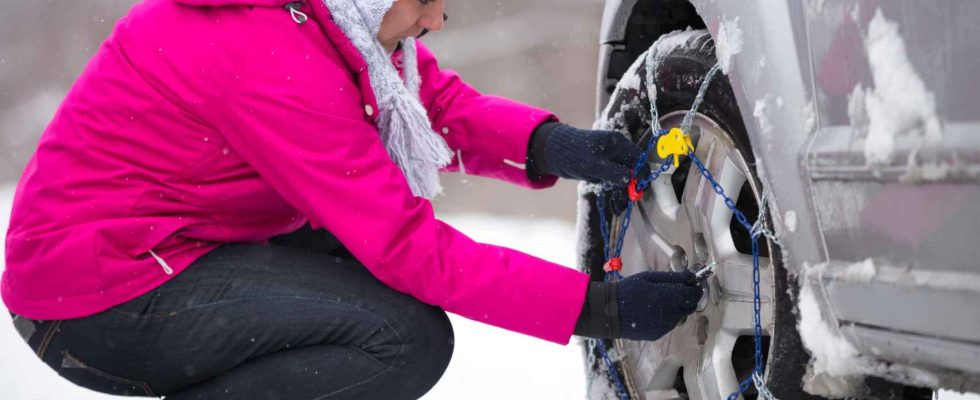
x,y
298,318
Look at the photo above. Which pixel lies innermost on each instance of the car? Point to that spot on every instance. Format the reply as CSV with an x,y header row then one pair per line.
x,y
854,123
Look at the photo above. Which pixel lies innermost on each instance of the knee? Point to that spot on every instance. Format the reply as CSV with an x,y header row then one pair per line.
x,y
427,349
433,336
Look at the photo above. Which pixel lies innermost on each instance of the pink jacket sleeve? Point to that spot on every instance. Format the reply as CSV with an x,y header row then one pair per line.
x,y
488,133
302,129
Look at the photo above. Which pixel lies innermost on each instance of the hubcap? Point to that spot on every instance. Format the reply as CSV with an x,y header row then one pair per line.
x,y
712,348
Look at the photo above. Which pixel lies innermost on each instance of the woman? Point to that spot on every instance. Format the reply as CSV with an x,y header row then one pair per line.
x,y
231,202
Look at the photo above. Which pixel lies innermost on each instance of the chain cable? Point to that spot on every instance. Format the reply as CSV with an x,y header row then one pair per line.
x,y
613,244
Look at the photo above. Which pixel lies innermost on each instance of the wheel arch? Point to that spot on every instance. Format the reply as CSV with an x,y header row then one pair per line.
x,y
629,27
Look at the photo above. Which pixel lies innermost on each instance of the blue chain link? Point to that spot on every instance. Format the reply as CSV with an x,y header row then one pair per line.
x,y
756,376
613,250
610,251
621,391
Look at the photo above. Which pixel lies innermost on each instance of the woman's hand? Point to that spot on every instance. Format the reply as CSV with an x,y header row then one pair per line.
x,y
588,155
644,306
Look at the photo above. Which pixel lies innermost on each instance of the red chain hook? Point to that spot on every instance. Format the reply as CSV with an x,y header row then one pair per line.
x,y
634,194
614,264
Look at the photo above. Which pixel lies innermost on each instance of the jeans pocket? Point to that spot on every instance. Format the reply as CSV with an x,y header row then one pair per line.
x,y
143,307
85,375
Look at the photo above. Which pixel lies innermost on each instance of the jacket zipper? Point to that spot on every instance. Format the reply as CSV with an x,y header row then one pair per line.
x,y
166,268
298,16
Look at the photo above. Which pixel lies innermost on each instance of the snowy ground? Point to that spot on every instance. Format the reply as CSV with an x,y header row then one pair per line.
x,y
489,363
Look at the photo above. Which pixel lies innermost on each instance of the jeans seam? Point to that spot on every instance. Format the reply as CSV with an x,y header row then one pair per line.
x,y
366,354
145,386
401,349
172,313
143,316
46,340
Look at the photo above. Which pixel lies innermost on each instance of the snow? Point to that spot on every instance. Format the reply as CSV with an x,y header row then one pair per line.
x,y
599,386
809,118
759,112
30,115
899,103
629,81
728,43
832,354
664,46
491,363
863,271
789,220
951,395
651,60
836,363
884,272
855,13
917,171
815,6
857,112
836,366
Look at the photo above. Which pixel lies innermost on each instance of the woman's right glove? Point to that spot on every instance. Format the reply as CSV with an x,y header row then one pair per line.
x,y
644,306
589,155
596,156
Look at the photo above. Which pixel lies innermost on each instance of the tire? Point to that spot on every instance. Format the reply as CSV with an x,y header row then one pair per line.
x,y
659,367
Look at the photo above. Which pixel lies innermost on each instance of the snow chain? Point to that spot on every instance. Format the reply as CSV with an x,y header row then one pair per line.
x,y
671,146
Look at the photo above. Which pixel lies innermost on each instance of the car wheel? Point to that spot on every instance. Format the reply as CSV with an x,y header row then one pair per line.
x,y
681,222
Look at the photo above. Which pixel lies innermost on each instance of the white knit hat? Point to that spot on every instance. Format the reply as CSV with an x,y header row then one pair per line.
x,y
402,120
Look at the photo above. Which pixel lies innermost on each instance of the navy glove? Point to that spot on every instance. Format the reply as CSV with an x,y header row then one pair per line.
x,y
644,306
593,156
651,303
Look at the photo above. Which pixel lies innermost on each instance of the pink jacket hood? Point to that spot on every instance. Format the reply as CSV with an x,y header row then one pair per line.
x,y
197,126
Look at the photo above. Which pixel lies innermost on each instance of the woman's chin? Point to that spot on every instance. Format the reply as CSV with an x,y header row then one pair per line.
x,y
389,45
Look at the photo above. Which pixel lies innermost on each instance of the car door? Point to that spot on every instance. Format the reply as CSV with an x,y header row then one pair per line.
x,y
894,175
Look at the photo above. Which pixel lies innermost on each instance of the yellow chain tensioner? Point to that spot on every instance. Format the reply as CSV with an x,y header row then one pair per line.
x,y
675,143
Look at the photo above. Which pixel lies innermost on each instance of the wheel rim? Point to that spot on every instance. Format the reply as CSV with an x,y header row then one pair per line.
x,y
668,233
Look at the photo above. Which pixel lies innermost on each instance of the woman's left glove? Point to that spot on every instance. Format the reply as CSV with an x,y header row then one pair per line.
x,y
644,306
593,156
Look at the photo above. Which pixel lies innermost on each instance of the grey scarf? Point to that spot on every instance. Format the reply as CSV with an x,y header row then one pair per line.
x,y
403,121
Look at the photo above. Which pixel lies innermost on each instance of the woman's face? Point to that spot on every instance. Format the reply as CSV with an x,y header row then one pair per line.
x,y
407,18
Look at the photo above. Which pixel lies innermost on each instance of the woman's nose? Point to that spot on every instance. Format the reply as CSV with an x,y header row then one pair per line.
x,y
433,18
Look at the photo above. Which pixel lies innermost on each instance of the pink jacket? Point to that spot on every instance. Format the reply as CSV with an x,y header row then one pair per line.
x,y
202,122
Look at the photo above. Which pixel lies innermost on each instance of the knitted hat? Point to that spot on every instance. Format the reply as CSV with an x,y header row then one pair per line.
x,y
402,120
